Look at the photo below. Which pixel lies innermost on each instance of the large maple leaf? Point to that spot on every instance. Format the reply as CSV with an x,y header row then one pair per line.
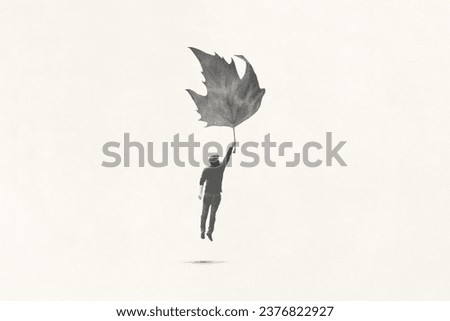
x,y
230,100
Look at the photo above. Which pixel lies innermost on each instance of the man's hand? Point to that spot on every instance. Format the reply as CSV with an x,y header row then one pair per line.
x,y
233,144
200,192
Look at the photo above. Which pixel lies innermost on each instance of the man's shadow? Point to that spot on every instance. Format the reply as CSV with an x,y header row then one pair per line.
x,y
204,262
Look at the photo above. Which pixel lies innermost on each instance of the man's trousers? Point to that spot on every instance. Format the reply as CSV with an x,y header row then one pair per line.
x,y
213,201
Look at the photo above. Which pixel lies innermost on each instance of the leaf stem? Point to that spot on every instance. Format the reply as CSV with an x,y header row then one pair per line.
x,y
234,137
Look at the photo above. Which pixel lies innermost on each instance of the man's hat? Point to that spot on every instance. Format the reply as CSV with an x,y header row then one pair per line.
x,y
213,158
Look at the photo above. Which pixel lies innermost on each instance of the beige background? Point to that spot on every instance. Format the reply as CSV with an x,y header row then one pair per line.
x,y
76,74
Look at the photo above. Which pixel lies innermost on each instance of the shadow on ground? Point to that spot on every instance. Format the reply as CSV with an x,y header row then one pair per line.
x,y
204,262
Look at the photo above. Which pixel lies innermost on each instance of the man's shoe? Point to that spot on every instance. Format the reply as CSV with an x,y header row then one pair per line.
x,y
202,235
209,235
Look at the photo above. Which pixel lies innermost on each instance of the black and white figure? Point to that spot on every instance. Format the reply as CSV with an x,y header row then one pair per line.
x,y
212,176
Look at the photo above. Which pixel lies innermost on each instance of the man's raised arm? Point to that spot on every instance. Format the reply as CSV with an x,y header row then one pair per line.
x,y
228,155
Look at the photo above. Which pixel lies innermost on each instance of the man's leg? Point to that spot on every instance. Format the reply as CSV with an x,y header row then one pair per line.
x,y
205,210
212,219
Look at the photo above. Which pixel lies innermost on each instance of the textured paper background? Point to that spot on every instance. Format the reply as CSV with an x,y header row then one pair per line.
x,y
76,74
